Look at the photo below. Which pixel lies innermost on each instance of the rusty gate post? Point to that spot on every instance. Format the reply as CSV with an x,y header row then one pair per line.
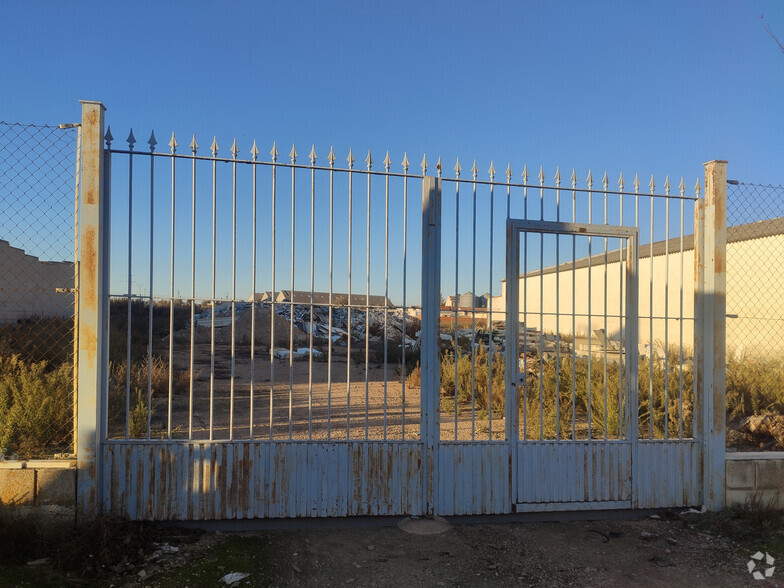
x,y
92,307
430,347
710,261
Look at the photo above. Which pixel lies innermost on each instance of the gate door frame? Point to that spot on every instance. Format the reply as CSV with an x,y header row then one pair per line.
x,y
593,473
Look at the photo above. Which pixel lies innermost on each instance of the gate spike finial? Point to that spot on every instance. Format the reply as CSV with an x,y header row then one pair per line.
x,y
293,154
682,187
369,160
652,184
194,145
457,168
667,185
350,159
152,141
234,149
491,171
108,137
604,180
405,163
541,175
573,179
525,174
214,147
331,157
508,172
697,188
474,169
274,151
254,151
423,165
312,156
589,179
173,143
439,167
636,183
620,182
557,176
387,162
131,140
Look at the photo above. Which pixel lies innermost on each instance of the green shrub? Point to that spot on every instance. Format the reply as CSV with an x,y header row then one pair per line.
x,y
36,407
754,386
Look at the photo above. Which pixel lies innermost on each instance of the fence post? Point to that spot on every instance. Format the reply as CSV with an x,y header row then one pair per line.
x,y
710,260
91,308
431,340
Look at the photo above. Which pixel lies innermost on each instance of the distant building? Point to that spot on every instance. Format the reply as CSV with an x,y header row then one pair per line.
x,y
323,298
30,287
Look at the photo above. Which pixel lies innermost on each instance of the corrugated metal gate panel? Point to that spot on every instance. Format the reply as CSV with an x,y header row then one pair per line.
x,y
570,471
668,473
473,478
198,481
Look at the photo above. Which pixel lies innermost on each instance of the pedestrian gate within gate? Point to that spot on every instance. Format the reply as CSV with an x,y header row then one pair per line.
x,y
280,336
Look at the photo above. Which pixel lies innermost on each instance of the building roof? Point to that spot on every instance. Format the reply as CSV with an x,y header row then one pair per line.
x,y
735,234
338,299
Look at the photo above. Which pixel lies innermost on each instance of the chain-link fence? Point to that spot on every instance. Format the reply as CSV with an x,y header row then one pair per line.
x,y
37,289
755,306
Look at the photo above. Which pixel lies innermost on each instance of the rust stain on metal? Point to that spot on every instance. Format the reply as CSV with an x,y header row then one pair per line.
x,y
88,267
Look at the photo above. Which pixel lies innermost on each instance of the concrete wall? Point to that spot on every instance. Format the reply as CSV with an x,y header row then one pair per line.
x,y
752,290
38,483
755,476
28,286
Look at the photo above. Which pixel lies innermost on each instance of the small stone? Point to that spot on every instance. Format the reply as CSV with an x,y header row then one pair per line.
x,y
654,516
142,574
371,547
647,536
296,569
672,541
38,562
350,581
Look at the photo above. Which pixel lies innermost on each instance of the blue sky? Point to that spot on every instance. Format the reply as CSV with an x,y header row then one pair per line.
x,y
654,87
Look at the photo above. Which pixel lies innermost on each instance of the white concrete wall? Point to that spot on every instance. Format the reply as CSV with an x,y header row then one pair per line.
x,y
28,286
752,290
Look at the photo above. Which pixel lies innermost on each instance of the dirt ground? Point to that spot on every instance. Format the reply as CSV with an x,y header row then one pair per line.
x,y
665,551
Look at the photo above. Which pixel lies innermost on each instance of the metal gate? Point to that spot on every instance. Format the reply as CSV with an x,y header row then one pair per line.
x,y
267,337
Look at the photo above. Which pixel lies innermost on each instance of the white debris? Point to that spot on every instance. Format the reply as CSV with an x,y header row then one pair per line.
x,y
233,578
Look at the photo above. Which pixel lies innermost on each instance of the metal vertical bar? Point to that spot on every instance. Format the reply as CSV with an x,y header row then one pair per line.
x,y
131,142
312,285
714,352
93,284
369,161
274,156
405,165
255,154
666,309
232,382
574,309
331,159
632,357
457,291
350,159
512,342
431,280
151,142
214,149
386,283
473,310
557,307
621,319
604,351
680,328
293,156
194,146
525,305
651,415
590,323
490,350
541,307
173,144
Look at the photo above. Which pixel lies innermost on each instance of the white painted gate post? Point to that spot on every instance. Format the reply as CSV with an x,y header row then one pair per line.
x,y
92,309
710,261
431,341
